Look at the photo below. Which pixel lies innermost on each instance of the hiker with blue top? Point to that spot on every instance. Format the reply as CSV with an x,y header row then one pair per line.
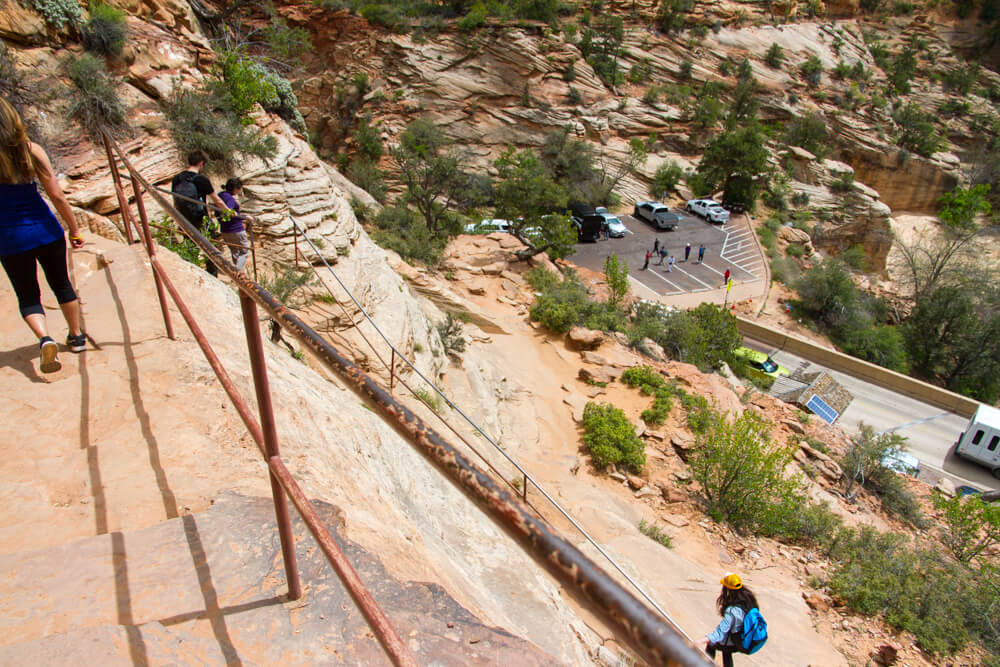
x,y
742,629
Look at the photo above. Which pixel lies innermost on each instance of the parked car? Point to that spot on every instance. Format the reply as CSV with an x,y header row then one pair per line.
x,y
709,209
488,226
616,228
902,462
761,362
657,214
980,442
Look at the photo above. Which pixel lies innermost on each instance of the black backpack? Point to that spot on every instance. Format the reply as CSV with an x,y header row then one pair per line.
x,y
184,186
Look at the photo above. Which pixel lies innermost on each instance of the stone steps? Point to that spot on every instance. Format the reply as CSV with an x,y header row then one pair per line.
x,y
209,588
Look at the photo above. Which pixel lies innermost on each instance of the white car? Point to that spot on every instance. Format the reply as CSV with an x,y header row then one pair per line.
x,y
709,209
488,226
616,228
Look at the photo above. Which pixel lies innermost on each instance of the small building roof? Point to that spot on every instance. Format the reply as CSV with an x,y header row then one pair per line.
x,y
987,415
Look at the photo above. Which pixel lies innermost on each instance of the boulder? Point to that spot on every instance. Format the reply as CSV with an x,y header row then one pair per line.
x,y
675,520
594,358
817,601
793,235
672,494
578,403
636,482
886,654
648,491
945,486
582,338
653,349
794,426
603,375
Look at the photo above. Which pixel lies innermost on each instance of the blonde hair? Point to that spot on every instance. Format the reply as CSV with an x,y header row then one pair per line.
x,y
17,164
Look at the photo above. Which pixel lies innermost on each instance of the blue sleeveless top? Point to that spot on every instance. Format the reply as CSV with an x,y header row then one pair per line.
x,y
26,222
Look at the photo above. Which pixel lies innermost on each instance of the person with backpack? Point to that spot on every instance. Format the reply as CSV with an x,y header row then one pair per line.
x,y
742,628
191,184
31,236
233,231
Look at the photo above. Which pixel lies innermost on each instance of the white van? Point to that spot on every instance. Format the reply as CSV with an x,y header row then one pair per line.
x,y
981,440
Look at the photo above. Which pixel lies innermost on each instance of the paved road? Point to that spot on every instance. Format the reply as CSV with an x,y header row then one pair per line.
x,y
929,430
726,246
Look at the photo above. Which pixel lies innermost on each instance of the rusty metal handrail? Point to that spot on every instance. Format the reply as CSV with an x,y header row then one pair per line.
x,y
264,436
656,640
503,452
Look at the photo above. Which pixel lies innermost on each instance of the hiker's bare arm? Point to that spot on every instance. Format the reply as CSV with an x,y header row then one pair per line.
x,y
47,177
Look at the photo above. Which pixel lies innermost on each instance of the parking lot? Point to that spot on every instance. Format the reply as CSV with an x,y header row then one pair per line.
x,y
726,246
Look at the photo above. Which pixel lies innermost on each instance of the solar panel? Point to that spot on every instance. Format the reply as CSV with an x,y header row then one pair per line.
x,y
819,407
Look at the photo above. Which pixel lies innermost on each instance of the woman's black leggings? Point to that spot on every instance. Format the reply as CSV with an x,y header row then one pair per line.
x,y
23,275
727,654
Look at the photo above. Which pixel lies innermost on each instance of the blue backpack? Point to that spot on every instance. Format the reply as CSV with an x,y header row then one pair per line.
x,y
754,631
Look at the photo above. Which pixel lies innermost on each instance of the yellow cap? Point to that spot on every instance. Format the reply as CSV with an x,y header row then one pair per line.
x,y
732,581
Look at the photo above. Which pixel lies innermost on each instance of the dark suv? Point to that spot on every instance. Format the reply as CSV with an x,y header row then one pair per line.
x,y
657,214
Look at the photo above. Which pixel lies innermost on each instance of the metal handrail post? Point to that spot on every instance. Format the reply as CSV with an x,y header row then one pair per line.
x,y
151,251
259,366
122,202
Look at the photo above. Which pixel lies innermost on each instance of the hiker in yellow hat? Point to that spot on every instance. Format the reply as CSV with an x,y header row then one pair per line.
x,y
734,603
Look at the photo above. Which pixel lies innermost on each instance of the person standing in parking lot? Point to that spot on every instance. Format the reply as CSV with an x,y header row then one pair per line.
x,y
656,246
701,253
646,264
670,264
687,252
725,277
663,254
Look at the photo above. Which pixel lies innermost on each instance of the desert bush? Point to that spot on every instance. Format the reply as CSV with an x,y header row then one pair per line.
x,y
165,235
843,183
971,526
672,15
574,96
450,331
366,175
287,285
655,533
610,437
775,56
59,13
541,279
105,30
667,176
286,43
902,70
474,19
96,102
812,70
567,303
941,603
962,79
244,82
741,473
402,230
199,120
809,132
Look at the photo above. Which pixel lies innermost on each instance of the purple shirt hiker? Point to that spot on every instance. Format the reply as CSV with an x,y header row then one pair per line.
x,y
235,223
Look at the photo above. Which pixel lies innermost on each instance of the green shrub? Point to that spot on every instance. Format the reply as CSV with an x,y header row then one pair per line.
x,y
244,82
655,533
684,72
368,139
541,279
962,79
903,69
568,303
895,498
403,231
971,526
610,437
809,132
812,70
741,473
775,56
699,412
641,71
174,241
667,176
367,176
574,95
96,103
673,14
199,120
286,43
795,250
941,603
432,400
474,19
59,13
105,31
954,108
287,285
843,183
450,331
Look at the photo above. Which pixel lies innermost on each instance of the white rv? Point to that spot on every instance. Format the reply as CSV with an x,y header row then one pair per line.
x,y
981,440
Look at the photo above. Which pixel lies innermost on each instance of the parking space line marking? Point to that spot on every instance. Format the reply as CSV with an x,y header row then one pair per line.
x,y
702,282
680,290
739,234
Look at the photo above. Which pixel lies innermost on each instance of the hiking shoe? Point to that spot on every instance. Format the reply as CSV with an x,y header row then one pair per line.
x,y
50,355
77,343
